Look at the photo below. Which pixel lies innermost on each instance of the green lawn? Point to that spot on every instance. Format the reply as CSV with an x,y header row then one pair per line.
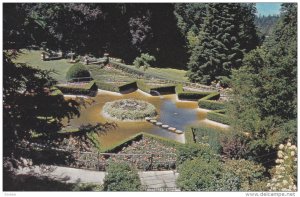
x,y
33,58
169,73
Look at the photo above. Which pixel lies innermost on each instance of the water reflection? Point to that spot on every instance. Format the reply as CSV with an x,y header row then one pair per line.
x,y
178,114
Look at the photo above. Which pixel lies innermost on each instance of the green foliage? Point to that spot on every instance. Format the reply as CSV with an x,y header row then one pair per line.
x,y
121,177
192,151
78,70
241,175
212,96
212,105
145,61
89,89
123,143
209,136
164,89
192,95
106,86
199,175
189,135
264,95
87,187
218,117
223,38
132,86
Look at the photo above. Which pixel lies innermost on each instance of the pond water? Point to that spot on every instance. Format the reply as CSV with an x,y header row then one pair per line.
x,y
178,114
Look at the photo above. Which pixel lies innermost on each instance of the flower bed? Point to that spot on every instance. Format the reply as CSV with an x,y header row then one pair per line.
x,y
147,153
129,109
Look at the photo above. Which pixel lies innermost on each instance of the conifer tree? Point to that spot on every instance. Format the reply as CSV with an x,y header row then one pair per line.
x,y
225,35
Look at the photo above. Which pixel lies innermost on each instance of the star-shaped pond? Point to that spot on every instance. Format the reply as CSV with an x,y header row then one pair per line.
x,y
175,113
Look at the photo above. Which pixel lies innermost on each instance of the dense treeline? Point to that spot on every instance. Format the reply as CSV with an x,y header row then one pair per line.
x,y
266,24
264,100
218,35
123,30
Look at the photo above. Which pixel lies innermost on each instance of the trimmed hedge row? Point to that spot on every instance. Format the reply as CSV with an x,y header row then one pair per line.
x,y
189,135
212,105
212,96
218,117
192,96
118,146
143,86
107,86
163,90
89,89
129,87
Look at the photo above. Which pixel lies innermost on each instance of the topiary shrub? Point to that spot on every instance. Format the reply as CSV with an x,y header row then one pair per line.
x,y
144,61
121,177
77,71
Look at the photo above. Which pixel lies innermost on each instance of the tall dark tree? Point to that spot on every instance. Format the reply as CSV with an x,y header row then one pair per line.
x,y
264,100
228,31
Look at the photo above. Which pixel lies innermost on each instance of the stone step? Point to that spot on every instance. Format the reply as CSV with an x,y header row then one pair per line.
x,y
159,123
165,126
173,129
153,121
148,118
179,132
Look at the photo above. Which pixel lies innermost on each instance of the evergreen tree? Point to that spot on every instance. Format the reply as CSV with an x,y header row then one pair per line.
x,y
226,34
264,100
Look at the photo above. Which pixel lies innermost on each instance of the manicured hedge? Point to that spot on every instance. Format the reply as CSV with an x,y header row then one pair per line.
x,y
212,105
218,117
78,70
143,86
89,89
189,135
106,86
212,96
129,87
192,95
163,90
118,146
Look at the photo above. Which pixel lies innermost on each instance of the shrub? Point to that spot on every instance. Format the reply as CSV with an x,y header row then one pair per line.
x,y
212,105
145,60
189,135
121,177
218,117
192,151
199,175
208,136
234,146
192,95
246,174
76,71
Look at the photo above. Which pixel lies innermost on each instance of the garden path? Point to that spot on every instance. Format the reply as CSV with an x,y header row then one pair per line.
x,y
151,180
